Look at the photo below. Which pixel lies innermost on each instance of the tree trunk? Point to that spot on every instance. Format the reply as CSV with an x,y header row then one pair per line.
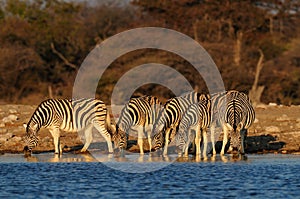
x,y
256,91
195,29
237,48
271,27
50,91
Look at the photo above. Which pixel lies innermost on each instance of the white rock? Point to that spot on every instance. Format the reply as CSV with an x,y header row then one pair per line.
x,y
256,120
272,104
12,111
272,129
10,119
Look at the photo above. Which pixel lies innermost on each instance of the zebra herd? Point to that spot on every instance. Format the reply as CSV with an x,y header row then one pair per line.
x,y
184,119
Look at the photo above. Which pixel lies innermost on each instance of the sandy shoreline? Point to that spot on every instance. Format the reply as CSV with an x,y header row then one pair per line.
x,y
276,130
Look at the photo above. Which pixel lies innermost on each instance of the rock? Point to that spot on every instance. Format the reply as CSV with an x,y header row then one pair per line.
x,y
284,117
272,104
262,106
15,139
10,119
12,111
3,130
272,129
7,136
2,124
256,121
2,139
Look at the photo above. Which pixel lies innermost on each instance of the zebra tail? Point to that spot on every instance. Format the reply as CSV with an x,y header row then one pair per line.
x,y
110,127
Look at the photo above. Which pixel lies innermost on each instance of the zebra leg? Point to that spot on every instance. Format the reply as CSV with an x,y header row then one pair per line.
x,y
198,141
205,143
212,139
186,145
88,134
243,133
166,141
140,138
225,138
149,130
103,131
56,134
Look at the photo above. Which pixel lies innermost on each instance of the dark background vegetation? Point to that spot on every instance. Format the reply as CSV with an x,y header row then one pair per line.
x,y
43,43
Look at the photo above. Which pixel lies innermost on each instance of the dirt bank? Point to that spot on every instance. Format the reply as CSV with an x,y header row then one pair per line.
x,y
276,130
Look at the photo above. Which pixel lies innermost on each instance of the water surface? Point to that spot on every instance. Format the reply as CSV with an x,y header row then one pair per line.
x,y
69,176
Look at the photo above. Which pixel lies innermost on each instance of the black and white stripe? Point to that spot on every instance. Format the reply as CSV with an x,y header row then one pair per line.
x,y
235,116
138,114
169,118
69,116
197,117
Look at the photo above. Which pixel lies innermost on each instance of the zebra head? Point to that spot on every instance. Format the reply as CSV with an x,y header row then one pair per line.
x,y
158,139
235,141
31,138
120,138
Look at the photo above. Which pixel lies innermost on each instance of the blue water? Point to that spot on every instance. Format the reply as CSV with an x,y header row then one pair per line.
x,y
260,176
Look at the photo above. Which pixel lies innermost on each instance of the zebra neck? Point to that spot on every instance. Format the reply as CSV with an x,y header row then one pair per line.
x,y
34,125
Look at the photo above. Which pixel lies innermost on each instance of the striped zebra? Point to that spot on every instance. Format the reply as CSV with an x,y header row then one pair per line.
x,y
139,114
169,118
197,117
236,115
69,116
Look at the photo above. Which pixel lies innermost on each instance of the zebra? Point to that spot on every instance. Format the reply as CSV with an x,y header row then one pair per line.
x,y
70,116
197,117
140,114
164,130
236,115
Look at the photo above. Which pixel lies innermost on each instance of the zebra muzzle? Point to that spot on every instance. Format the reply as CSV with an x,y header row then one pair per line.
x,y
235,150
26,149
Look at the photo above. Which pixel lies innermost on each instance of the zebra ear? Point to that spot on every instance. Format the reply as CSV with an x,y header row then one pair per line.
x,y
239,126
25,126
